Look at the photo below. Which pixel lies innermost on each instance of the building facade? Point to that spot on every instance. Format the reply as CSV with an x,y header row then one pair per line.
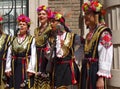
x,y
10,9
113,21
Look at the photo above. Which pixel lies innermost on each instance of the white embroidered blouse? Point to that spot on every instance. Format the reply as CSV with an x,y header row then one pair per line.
x,y
31,65
105,52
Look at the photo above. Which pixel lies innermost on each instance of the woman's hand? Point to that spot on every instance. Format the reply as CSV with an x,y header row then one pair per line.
x,y
100,83
30,74
8,74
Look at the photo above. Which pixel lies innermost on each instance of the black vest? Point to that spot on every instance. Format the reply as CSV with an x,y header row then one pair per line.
x,y
91,48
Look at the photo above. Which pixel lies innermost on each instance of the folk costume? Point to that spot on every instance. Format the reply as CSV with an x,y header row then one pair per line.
x,y
4,44
98,53
21,59
66,73
42,79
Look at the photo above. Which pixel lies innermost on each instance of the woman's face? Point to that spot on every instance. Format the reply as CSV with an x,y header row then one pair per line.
x,y
54,24
23,27
89,18
42,16
57,27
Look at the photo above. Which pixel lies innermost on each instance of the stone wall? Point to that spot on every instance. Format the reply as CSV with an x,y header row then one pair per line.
x,y
113,21
70,10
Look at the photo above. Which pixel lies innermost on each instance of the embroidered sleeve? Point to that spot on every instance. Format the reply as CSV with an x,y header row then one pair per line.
x,y
105,52
32,63
106,39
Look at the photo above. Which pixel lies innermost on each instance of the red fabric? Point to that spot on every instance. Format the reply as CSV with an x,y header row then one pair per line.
x,y
106,39
1,19
73,74
40,60
44,49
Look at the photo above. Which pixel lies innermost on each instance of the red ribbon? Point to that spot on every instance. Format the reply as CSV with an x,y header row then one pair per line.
x,y
71,62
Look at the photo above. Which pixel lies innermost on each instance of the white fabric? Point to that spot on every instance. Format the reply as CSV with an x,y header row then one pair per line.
x,y
31,66
105,60
8,60
78,46
59,51
20,39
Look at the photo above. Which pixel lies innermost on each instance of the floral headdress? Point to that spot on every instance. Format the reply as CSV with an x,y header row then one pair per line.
x,y
94,6
47,9
23,18
58,16
1,19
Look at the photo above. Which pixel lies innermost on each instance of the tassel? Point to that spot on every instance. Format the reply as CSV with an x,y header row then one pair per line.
x,y
73,74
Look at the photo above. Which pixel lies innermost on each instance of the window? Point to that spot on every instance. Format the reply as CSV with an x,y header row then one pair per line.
x,y
10,9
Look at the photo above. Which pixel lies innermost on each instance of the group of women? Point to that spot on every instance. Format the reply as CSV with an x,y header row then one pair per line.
x,y
47,59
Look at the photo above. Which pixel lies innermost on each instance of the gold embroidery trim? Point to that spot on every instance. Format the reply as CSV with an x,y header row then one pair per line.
x,y
67,44
2,40
89,45
6,46
40,39
97,41
20,47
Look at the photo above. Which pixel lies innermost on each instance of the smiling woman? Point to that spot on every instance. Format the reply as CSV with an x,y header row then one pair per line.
x,y
42,33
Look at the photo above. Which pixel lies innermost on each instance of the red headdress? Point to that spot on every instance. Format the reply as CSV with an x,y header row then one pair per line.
x,y
1,19
24,18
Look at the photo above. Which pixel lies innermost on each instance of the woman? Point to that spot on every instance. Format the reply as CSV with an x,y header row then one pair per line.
x,y
42,80
5,40
21,57
98,48
66,73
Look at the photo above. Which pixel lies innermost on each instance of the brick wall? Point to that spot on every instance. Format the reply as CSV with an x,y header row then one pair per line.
x,y
71,11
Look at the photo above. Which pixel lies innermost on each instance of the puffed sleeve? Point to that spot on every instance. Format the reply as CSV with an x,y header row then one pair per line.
x,y
8,60
105,52
31,66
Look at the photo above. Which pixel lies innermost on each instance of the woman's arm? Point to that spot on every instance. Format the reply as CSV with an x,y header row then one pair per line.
x,y
8,62
105,52
32,63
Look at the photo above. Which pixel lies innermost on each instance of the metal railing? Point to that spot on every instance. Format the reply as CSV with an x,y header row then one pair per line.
x,y
10,9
